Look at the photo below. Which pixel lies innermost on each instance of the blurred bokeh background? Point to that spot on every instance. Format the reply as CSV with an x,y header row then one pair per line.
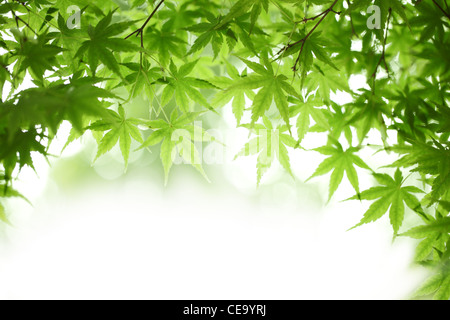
x,y
95,232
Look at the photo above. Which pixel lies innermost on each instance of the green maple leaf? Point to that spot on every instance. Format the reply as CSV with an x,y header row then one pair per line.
x,y
338,121
120,129
166,44
272,87
314,44
66,36
63,6
359,5
387,6
181,86
256,11
177,136
269,143
391,195
16,150
141,77
178,17
241,7
238,96
427,21
439,285
340,161
444,122
439,226
427,159
437,235
38,56
211,33
325,81
368,111
308,110
102,45
397,7
72,102
425,247
411,107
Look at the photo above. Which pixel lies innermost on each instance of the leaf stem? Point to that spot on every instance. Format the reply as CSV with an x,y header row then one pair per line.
x,y
155,95
442,9
17,18
303,41
285,48
383,54
351,22
304,20
140,31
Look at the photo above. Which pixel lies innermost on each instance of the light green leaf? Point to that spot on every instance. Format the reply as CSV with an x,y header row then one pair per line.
x,y
392,195
340,161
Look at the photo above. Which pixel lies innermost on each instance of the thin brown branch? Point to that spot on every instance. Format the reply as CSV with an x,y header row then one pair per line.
x,y
303,41
17,18
304,20
140,31
442,9
323,15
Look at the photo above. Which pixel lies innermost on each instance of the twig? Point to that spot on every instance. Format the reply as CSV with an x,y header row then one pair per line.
x,y
17,18
304,20
383,54
284,51
442,9
302,41
351,22
140,31
42,18
317,16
